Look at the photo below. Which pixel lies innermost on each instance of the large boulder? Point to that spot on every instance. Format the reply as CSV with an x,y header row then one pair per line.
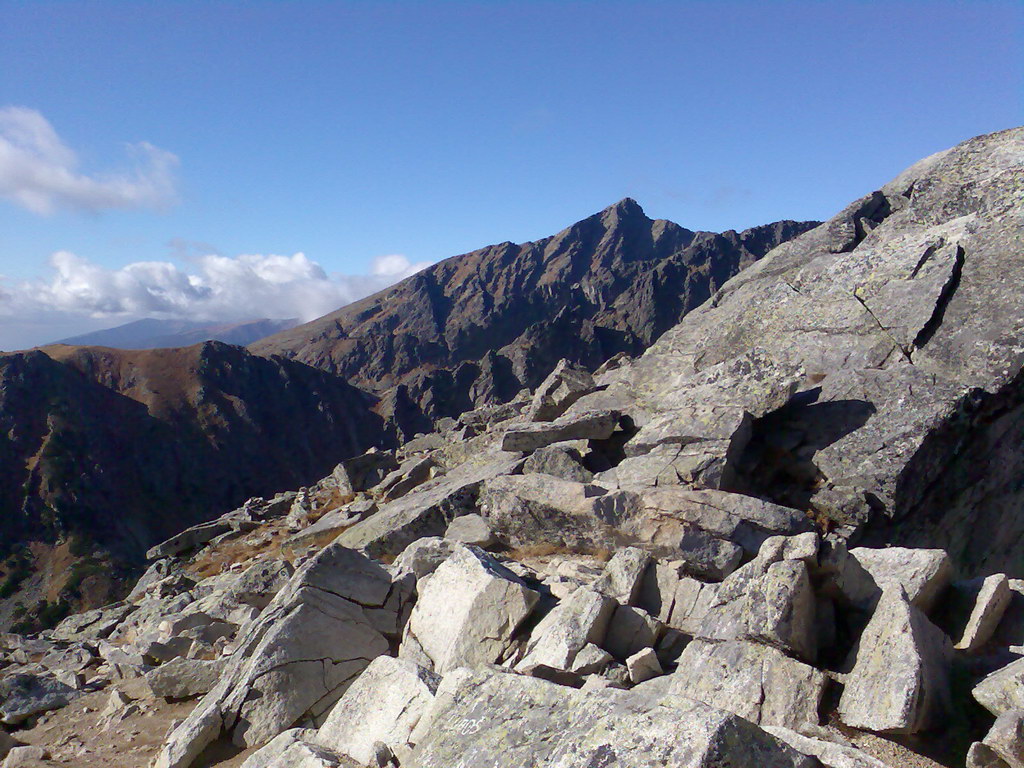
x,y
754,681
467,612
900,682
536,508
831,754
991,600
24,694
185,678
866,371
623,575
578,620
1003,745
769,600
529,436
338,612
384,705
483,719
922,574
665,513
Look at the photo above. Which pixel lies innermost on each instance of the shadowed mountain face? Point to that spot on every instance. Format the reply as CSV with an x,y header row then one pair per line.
x,y
479,327
151,333
127,448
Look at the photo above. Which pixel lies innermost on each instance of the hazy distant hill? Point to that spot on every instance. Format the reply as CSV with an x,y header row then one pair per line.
x,y
151,333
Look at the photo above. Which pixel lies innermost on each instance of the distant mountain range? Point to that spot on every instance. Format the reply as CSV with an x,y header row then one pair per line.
x,y
476,329
152,333
109,451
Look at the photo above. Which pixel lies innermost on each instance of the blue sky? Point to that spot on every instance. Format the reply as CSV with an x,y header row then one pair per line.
x,y
316,139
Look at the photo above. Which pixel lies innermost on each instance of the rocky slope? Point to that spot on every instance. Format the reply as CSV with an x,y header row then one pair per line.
x,y
681,559
475,329
114,450
107,452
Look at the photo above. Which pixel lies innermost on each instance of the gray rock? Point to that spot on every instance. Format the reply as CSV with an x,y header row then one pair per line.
x,y
411,473
770,600
581,619
532,509
658,588
643,665
623,575
530,436
467,612
900,682
754,681
361,473
425,511
299,657
423,556
92,625
564,460
591,660
470,529
7,743
482,719
565,385
28,756
831,755
331,525
991,603
704,555
1003,690
630,630
384,704
24,695
982,756
922,573
1004,741
190,539
691,602
709,530
271,753
185,678
927,258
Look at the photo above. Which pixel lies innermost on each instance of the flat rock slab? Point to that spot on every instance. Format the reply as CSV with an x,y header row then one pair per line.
x,y
424,511
530,436
484,719
754,681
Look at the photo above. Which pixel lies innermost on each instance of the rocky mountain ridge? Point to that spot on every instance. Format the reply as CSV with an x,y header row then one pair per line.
x,y
475,329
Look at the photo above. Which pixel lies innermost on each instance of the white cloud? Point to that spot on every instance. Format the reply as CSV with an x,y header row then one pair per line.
x,y
213,288
40,173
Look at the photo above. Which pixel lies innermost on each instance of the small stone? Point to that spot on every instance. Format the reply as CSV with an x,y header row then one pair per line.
x,y
643,665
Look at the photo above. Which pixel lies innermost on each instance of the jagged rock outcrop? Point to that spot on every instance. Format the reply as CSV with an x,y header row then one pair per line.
x,y
869,368
477,328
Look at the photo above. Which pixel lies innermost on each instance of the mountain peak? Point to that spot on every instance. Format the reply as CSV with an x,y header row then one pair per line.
x,y
626,208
